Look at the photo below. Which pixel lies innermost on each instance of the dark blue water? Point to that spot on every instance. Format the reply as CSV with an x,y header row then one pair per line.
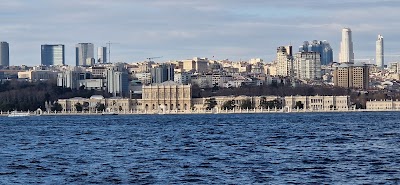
x,y
315,148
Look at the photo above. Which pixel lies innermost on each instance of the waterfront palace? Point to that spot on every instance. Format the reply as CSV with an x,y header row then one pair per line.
x,y
171,96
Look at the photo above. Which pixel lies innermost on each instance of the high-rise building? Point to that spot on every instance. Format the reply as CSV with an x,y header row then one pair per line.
x,y
83,52
351,76
162,73
117,82
53,54
102,55
307,65
322,47
284,61
346,54
4,54
380,52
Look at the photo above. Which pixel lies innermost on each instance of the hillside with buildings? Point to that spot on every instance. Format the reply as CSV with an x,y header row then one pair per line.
x,y
189,83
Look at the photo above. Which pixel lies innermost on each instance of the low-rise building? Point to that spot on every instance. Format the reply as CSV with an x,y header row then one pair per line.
x,y
383,105
317,102
91,104
37,75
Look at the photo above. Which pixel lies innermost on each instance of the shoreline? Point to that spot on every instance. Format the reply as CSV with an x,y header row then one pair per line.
x,y
252,111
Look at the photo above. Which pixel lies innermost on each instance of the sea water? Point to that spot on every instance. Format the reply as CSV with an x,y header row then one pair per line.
x,y
288,148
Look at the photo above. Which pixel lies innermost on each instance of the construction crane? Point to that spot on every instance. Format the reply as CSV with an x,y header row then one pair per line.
x,y
151,58
109,50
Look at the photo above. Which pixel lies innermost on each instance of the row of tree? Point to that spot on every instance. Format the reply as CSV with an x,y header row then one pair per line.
x,y
211,103
270,90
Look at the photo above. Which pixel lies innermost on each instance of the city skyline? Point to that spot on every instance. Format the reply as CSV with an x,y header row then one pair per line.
x,y
180,30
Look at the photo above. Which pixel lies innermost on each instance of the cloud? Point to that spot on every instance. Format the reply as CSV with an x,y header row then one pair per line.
x,y
176,29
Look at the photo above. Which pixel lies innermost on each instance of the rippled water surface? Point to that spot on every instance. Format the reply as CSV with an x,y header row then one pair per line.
x,y
315,148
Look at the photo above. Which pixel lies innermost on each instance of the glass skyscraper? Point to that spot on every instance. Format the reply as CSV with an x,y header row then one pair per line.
x,y
4,54
53,54
84,53
322,47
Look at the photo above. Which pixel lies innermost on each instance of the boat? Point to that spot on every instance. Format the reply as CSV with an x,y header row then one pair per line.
x,y
108,111
18,114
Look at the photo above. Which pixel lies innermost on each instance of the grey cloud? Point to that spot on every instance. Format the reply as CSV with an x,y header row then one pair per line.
x,y
177,29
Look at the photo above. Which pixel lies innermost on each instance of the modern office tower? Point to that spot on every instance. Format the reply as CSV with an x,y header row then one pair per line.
x,y
380,52
307,66
117,82
284,62
354,76
323,47
83,51
53,54
346,54
162,73
4,54
102,55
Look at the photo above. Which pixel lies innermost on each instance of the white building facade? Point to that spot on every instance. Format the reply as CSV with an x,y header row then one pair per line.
x,y
346,54
284,62
380,52
307,66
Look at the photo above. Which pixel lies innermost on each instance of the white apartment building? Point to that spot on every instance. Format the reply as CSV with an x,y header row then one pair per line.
x,y
210,80
182,78
307,65
199,65
284,62
145,78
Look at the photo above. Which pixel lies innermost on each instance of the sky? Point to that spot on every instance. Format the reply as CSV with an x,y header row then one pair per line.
x,y
183,29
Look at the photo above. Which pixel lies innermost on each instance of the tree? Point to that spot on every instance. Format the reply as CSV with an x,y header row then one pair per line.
x,y
100,106
85,106
247,104
229,105
210,103
263,102
78,107
56,107
299,105
270,104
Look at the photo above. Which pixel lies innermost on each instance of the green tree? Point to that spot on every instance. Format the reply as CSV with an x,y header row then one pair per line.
x,y
247,104
299,105
100,107
85,106
263,102
78,107
56,107
229,105
210,103
270,104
